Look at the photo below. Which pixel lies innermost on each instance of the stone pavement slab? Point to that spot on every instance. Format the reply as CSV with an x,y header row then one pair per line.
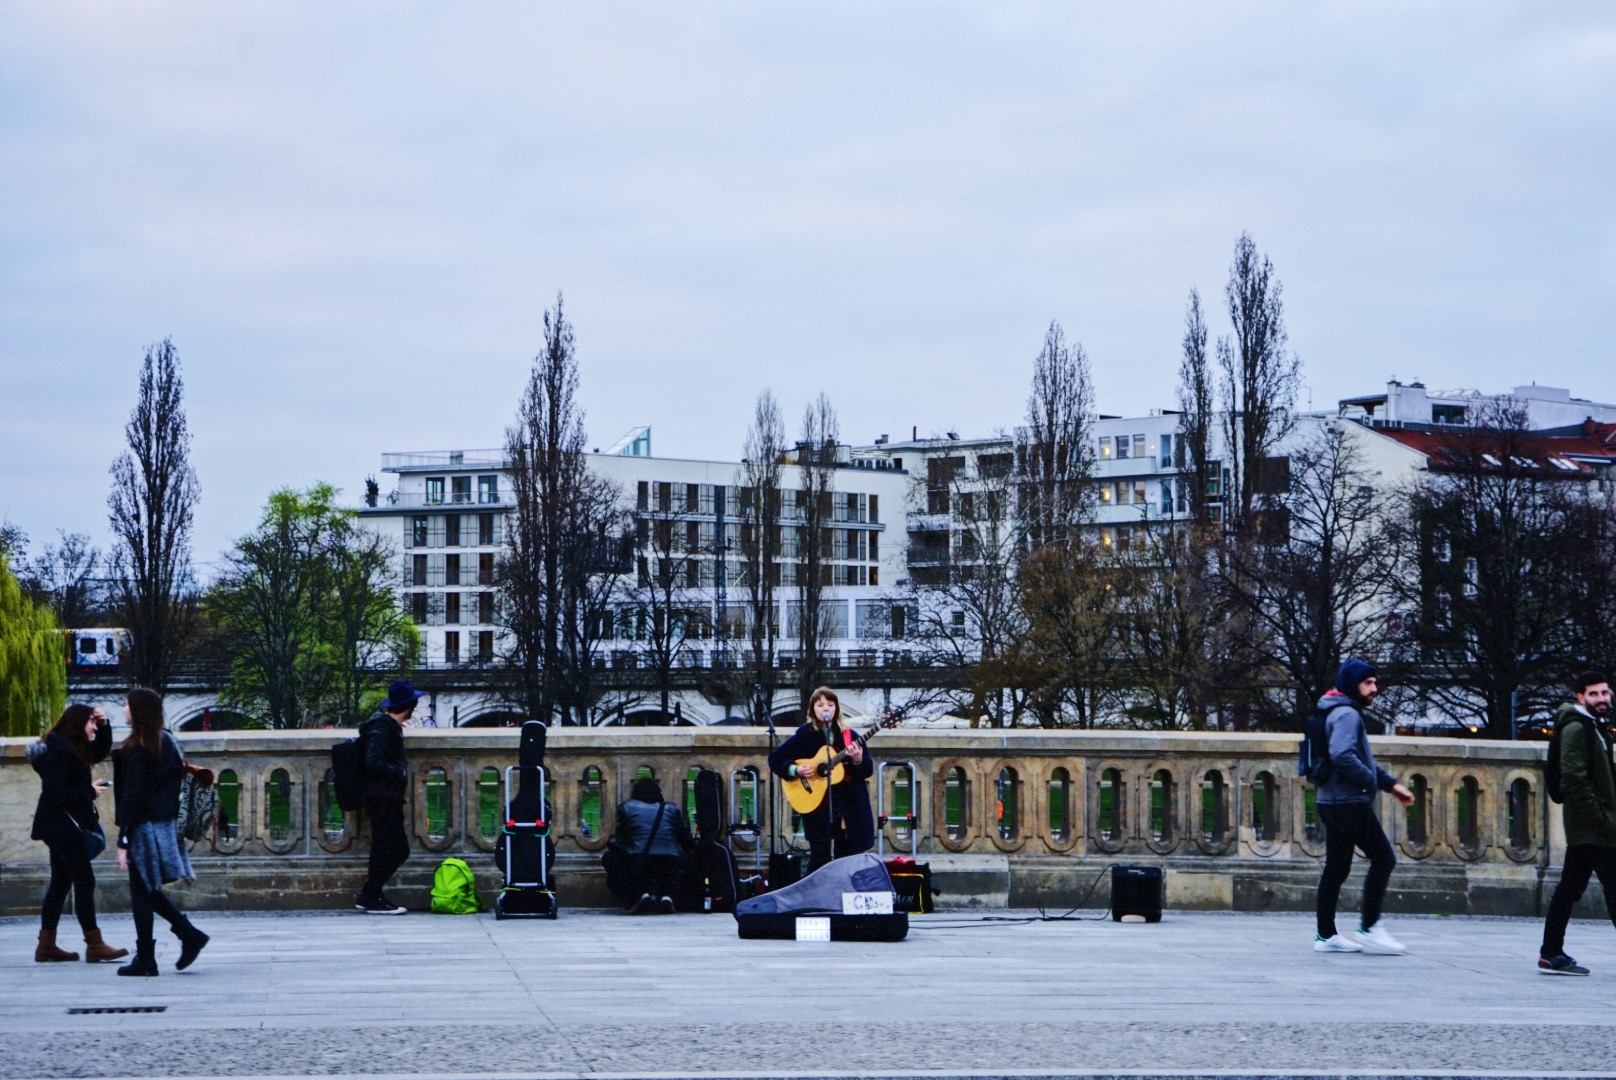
x,y
601,995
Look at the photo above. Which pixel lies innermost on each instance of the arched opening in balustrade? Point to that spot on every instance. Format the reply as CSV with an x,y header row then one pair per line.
x,y
229,785
645,772
591,801
1312,828
1418,813
1007,809
1161,807
437,804
333,822
1060,805
956,803
745,828
1467,814
1520,816
1265,823
278,804
489,810
689,797
1112,801
1214,807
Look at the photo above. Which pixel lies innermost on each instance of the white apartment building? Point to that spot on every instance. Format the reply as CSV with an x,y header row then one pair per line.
x,y
448,515
1413,403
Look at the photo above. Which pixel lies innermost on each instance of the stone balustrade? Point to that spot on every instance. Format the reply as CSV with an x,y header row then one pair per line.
x,y
1005,817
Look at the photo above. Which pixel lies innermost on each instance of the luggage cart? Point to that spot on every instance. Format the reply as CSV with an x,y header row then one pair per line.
x,y
526,849
747,828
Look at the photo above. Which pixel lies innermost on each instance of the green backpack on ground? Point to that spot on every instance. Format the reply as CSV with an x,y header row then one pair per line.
x,y
454,889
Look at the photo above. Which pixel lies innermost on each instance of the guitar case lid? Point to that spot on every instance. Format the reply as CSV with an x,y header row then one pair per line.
x,y
820,893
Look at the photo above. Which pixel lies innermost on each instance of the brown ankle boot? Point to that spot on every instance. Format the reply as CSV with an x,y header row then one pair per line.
x,y
96,950
46,951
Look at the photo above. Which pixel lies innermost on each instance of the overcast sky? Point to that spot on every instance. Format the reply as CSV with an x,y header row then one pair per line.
x,y
351,217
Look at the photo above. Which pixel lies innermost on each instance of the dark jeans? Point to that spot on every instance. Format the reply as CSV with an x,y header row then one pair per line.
x,y
70,866
1348,826
389,846
659,875
1582,862
143,902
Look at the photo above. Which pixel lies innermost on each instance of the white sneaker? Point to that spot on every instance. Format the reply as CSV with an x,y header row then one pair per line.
x,y
1335,944
1378,941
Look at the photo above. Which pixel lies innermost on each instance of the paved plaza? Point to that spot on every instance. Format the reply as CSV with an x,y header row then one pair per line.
x,y
598,994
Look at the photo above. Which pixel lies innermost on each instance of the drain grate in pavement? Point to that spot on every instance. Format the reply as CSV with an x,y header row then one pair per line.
x,y
118,1009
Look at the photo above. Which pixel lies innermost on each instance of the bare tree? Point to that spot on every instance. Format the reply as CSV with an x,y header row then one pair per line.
x,y
1056,452
816,460
667,605
564,546
1315,578
759,481
1070,657
967,614
64,576
1196,414
1492,541
154,495
1259,378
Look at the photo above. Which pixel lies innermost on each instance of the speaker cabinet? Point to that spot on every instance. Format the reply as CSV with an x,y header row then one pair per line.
x,y
1136,890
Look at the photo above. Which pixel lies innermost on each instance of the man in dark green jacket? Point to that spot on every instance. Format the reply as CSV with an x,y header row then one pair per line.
x,y
1588,785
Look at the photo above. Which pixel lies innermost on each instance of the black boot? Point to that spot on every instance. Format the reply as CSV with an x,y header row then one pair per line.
x,y
145,961
191,942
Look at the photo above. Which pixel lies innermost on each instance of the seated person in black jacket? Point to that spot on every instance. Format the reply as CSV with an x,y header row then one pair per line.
x,y
844,823
650,844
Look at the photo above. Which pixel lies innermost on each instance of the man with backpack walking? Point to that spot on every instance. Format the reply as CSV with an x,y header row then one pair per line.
x,y
1348,781
387,779
1587,789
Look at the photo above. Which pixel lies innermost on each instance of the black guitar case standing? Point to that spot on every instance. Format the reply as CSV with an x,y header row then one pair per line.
x,y
526,854
774,914
714,882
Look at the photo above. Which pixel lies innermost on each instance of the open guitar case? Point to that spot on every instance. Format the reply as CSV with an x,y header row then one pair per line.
x,y
774,914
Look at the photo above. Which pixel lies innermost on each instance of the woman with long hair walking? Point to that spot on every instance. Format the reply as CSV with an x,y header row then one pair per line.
x,y
67,822
148,770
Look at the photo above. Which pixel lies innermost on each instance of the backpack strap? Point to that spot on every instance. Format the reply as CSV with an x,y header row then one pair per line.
x,y
662,808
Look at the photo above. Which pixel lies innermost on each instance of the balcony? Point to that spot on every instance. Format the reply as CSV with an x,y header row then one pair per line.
x,y
430,460
420,500
928,522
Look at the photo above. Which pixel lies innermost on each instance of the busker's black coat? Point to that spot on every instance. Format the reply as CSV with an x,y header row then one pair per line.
x,y
849,801
66,792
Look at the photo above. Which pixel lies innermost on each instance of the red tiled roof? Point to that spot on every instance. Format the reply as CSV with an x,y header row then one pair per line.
x,y
1597,443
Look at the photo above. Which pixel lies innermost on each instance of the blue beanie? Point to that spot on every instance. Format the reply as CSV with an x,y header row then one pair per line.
x,y
1353,672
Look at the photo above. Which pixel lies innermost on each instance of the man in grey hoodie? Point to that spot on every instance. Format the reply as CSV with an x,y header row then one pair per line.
x,y
1346,803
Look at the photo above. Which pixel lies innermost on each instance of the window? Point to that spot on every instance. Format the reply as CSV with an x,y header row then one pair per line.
x,y
1166,450
487,489
875,507
418,531
434,491
485,646
451,530
485,607
460,490
451,570
1124,446
1166,496
451,607
664,496
418,608
487,535
417,569
451,646
1470,576
1106,447
1108,494
485,568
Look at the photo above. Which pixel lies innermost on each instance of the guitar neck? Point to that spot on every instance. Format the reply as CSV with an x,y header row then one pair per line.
x,y
841,755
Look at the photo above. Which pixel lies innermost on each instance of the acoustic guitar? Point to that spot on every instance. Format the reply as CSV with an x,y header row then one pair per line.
x,y
816,775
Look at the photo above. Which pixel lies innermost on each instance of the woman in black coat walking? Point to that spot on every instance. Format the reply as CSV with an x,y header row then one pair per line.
x,y
79,740
148,770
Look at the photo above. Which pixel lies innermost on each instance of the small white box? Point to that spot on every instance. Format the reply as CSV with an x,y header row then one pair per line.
x,y
813,928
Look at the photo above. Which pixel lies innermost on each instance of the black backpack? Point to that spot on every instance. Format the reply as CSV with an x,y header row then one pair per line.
x,y
1551,767
1313,752
348,773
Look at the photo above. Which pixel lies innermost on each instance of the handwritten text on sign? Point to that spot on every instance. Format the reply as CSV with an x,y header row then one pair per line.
x,y
866,903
